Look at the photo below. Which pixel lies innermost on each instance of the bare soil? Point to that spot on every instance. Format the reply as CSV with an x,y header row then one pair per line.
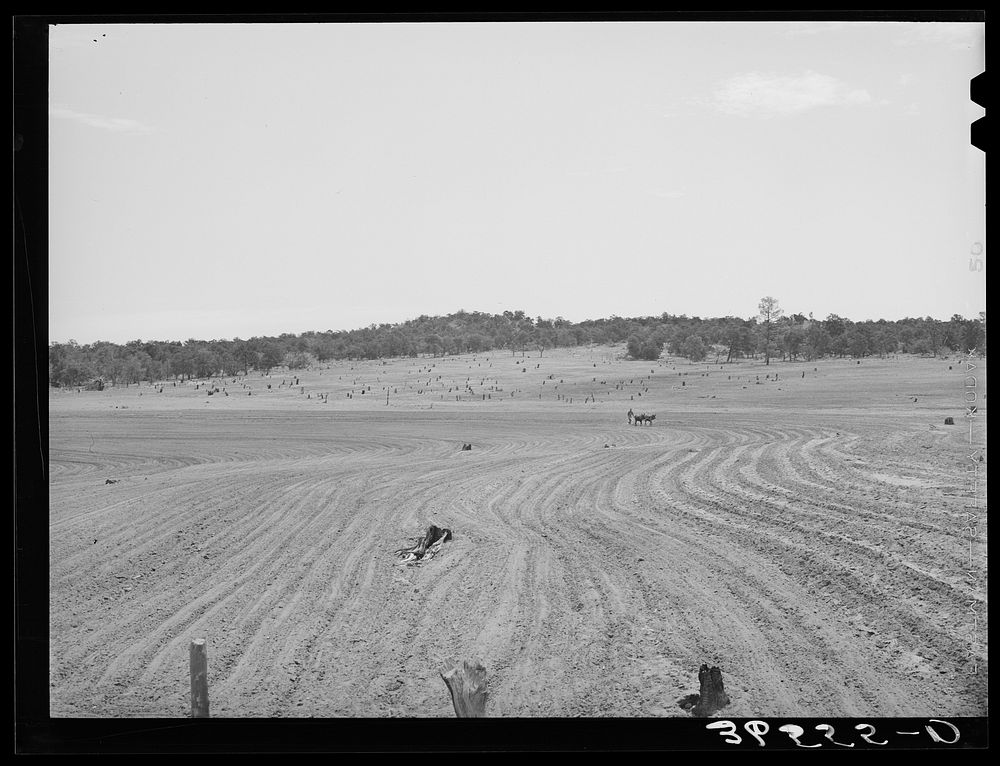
x,y
808,535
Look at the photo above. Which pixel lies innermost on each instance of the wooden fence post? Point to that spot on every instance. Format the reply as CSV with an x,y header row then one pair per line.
x,y
199,678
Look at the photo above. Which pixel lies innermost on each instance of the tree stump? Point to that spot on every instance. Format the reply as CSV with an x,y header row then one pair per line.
x,y
199,678
949,421
427,546
713,695
467,684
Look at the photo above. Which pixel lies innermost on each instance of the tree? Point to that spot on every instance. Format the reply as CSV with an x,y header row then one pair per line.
x,y
857,342
545,335
433,343
297,360
884,341
69,365
245,353
732,339
934,333
694,348
835,325
648,348
132,369
817,342
768,312
634,346
968,333
523,335
792,341
270,355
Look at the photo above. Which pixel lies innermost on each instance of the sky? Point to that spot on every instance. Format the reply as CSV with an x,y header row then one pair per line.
x,y
214,181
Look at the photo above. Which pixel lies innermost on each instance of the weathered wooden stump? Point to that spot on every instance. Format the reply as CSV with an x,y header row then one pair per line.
x,y
427,546
199,678
713,695
467,684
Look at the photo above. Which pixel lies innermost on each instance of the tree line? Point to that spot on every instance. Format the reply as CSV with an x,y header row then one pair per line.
x,y
769,335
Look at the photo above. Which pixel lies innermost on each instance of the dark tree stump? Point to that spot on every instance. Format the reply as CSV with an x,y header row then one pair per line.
x,y
427,546
199,678
949,421
467,684
713,695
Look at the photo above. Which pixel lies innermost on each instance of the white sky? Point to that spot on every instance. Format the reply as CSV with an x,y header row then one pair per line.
x,y
214,181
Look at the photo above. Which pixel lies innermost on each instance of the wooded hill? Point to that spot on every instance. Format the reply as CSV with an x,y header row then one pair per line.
x,y
770,335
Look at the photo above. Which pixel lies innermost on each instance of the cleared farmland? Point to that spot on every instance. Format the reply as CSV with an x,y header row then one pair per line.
x,y
806,534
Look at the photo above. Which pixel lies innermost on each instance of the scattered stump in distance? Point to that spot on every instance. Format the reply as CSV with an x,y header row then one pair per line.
x,y
427,546
713,695
949,421
467,684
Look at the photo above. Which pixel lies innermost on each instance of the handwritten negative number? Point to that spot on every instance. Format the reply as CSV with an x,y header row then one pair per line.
x,y
866,735
829,734
729,731
756,729
795,732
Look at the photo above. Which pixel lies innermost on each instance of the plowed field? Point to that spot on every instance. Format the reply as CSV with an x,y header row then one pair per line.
x,y
808,535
